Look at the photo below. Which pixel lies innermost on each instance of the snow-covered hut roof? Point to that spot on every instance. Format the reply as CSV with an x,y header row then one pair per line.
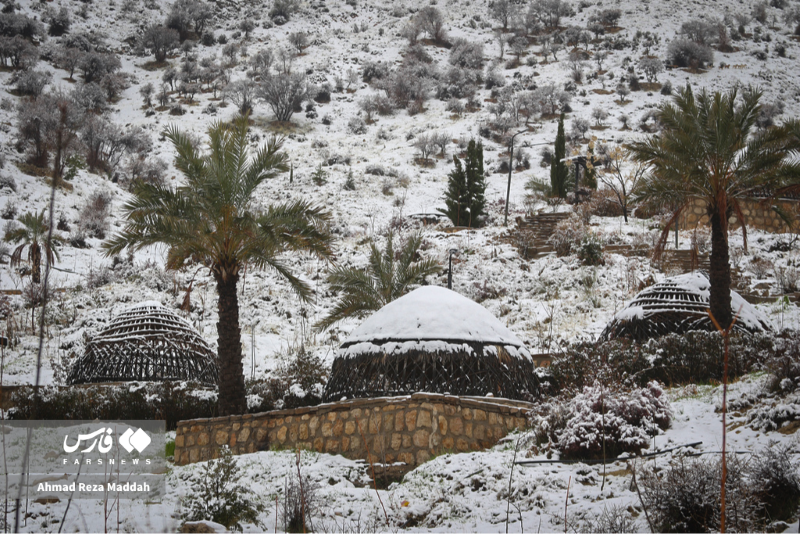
x,y
676,305
432,313
432,340
146,342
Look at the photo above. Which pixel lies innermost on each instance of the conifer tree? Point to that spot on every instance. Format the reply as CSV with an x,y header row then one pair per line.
x,y
476,184
559,173
464,197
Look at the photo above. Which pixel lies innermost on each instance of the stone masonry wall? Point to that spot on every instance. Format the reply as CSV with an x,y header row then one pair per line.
x,y
407,429
757,215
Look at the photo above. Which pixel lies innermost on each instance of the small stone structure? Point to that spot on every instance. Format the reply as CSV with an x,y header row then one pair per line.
x,y
409,429
758,215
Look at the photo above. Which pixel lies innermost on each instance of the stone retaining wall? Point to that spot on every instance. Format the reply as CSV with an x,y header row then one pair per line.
x,y
758,215
407,429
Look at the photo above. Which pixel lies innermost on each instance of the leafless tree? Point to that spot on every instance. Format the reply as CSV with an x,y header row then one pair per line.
x,y
503,11
243,93
284,93
147,94
67,58
48,126
432,22
299,40
261,62
621,175
424,145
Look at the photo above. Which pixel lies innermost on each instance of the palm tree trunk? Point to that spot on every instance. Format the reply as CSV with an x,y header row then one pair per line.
x,y
36,263
720,275
231,374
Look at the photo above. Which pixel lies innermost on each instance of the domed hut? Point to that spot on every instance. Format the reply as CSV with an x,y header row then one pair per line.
x,y
677,305
432,340
146,342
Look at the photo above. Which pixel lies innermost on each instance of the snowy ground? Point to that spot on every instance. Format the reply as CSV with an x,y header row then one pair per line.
x,y
542,301
451,493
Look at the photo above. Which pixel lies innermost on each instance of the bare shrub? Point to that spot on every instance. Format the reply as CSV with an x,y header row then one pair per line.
x,y
761,267
93,220
685,497
284,93
298,497
568,233
616,518
774,473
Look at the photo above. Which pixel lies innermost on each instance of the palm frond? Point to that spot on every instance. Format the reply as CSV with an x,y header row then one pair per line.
x,y
383,280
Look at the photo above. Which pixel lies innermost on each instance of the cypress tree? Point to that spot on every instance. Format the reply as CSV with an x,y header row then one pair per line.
x,y
476,184
457,196
466,186
590,176
559,173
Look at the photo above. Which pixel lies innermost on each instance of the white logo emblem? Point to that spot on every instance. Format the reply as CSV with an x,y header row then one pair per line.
x,y
138,440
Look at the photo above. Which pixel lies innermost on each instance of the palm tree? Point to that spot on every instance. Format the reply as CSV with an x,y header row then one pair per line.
x,y
33,234
214,220
388,276
708,149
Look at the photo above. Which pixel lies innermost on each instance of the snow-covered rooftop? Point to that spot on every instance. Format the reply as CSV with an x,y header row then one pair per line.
x,y
686,295
433,313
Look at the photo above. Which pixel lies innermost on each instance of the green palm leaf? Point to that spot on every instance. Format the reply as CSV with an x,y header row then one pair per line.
x,y
388,276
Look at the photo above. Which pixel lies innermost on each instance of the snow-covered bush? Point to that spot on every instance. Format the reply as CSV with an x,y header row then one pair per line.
x,y
466,54
686,53
93,220
8,182
672,359
774,474
590,250
606,421
783,362
494,78
685,497
282,11
219,495
374,70
304,375
568,233
31,82
357,126
615,518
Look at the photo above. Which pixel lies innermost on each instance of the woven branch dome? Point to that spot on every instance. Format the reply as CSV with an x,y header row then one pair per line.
x,y
146,342
432,340
675,306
